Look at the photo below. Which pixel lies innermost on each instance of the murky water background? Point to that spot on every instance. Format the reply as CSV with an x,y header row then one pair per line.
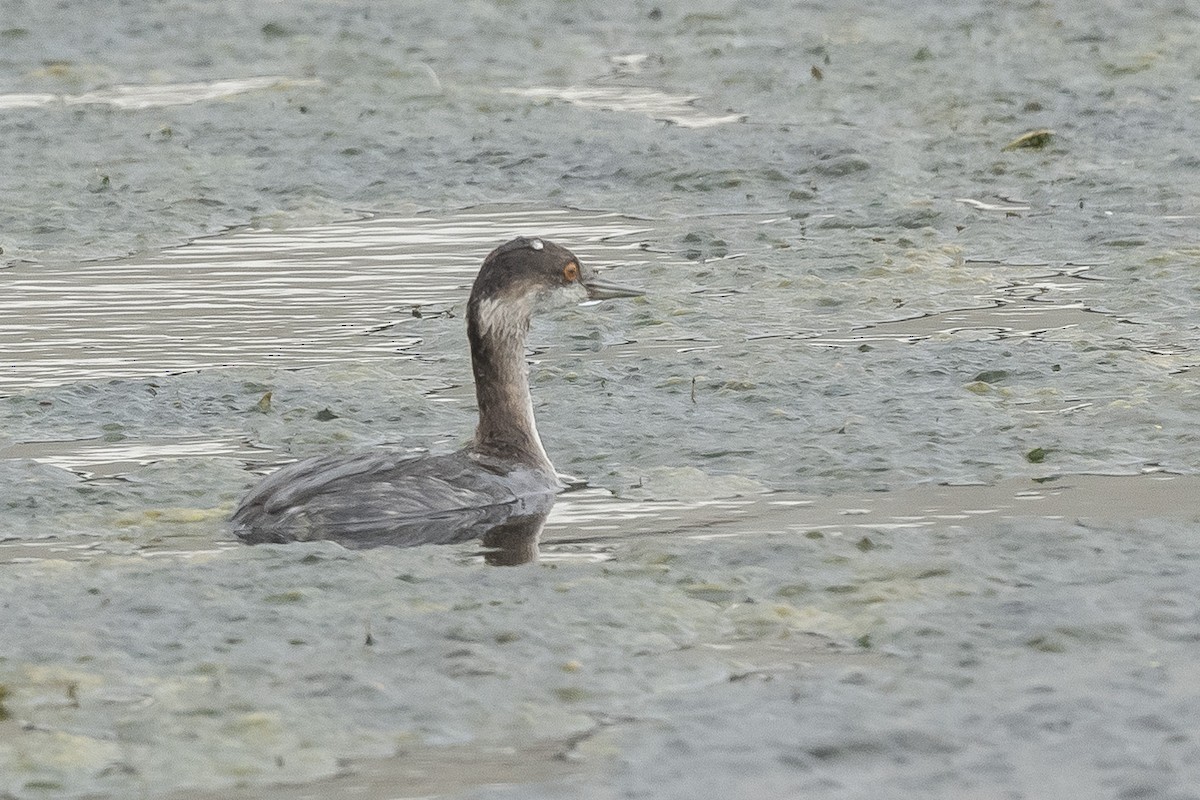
x,y
966,374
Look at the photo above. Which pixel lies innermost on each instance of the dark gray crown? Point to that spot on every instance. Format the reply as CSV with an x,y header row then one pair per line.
x,y
521,264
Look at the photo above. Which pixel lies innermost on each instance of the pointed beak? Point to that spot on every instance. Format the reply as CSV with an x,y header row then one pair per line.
x,y
604,290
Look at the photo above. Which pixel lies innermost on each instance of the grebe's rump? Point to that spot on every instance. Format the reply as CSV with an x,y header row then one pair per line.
x,y
501,485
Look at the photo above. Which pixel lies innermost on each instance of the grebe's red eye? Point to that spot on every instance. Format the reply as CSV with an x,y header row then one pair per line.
x,y
571,272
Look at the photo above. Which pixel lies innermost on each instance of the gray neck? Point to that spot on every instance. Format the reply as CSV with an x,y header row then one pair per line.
x,y
496,330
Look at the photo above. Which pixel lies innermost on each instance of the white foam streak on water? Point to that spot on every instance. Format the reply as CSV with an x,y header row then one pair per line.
x,y
137,97
312,296
1003,320
675,109
97,457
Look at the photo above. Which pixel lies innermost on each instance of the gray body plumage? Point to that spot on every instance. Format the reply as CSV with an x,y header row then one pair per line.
x,y
378,497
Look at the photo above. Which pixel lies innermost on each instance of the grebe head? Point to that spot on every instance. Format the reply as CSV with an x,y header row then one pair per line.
x,y
526,272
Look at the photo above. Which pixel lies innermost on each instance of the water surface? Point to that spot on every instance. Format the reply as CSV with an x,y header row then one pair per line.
x,y
892,472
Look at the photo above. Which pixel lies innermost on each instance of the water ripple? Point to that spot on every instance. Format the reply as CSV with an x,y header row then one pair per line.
x,y
304,297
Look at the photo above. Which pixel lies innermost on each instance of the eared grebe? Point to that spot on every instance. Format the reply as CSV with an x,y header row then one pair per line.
x,y
501,480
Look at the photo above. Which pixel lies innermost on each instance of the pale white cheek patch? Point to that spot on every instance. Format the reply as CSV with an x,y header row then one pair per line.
x,y
502,318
